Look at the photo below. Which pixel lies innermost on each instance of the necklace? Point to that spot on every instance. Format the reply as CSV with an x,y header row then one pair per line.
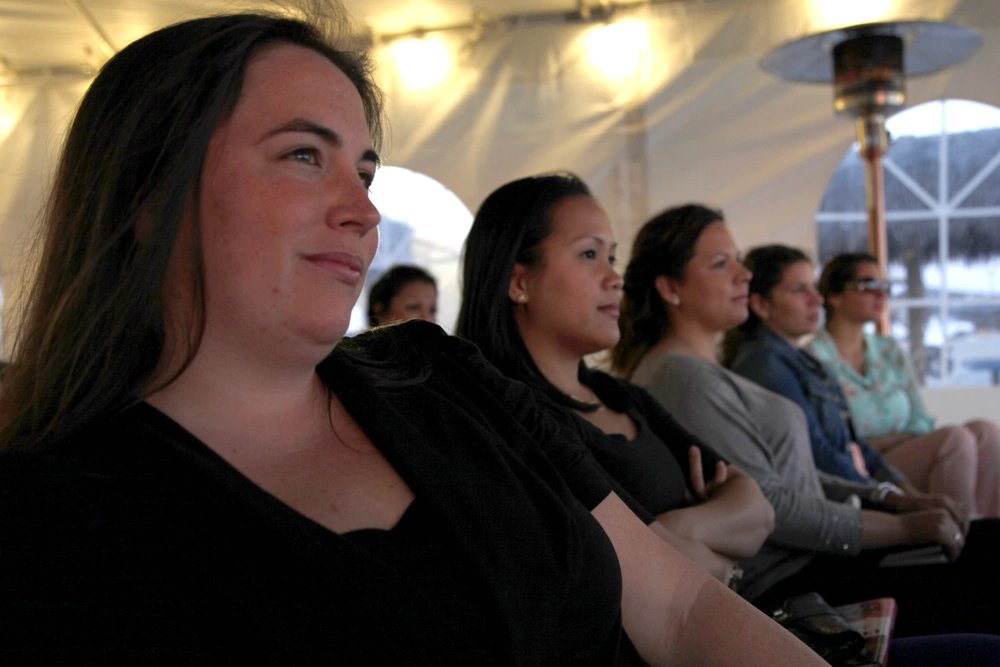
x,y
592,402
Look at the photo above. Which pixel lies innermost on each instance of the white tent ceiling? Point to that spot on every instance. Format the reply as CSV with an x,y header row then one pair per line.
x,y
48,33
699,121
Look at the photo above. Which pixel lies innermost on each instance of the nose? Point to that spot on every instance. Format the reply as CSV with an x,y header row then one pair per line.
x,y
614,279
815,296
351,207
744,274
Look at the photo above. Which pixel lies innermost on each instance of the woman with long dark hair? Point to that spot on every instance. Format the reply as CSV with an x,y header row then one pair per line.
x,y
684,287
196,469
540,292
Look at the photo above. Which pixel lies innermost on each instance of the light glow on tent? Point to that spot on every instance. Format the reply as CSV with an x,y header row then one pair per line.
x,y
839,13
616,49
423,62
8,117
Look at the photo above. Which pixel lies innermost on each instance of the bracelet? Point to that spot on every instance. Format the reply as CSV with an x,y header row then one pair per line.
x,y
735,577
881,491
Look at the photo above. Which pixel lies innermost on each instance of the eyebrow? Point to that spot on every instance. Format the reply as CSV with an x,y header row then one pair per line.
x,y
598,239
324,133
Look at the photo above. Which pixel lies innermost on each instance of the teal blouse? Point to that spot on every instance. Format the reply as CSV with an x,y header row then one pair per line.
x,y
886,398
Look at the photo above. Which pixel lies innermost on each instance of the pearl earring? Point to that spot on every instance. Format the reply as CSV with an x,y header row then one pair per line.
x,y
676,301
522,298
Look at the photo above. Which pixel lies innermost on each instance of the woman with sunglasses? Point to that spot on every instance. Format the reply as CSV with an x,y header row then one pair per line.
x,y
884,397
784,307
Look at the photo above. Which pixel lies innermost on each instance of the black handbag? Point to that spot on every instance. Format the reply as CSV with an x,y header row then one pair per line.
x,y
823,629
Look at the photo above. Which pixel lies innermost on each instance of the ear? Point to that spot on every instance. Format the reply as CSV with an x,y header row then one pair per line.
x,y
667,289
760,306
833,302
517,291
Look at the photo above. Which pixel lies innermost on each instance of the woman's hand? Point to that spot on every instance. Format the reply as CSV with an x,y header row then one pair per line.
x,y
915,501
702,490
935,526
733,518
938,526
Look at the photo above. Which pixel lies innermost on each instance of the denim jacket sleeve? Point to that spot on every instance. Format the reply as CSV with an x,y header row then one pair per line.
x,y
776,365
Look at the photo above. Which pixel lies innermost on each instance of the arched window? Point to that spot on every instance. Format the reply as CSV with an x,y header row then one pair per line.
x,y
942,189
423,223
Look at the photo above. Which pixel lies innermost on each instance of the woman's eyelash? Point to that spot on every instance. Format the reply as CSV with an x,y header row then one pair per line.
x,y
305,155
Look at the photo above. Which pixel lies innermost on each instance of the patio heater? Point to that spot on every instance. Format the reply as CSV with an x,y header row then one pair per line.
x,y
868,65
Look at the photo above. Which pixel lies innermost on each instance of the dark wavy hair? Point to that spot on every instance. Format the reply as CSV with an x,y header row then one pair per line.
x,y
509,229
390,284
663,247
93,329
837,273
768,264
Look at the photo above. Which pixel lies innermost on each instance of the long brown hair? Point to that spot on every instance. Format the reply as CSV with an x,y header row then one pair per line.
x,y
662,247
93,329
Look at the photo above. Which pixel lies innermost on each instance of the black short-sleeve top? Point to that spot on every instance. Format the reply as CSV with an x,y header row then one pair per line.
x,y
132,541
653,467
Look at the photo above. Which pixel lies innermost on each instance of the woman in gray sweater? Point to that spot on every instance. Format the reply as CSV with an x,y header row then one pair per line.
x,y
684,287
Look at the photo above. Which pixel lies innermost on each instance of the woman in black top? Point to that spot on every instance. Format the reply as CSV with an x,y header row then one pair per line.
x,y
539,293
196,471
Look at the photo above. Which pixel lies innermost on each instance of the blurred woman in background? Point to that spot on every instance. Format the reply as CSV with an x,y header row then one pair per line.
x,y
877,378
403,293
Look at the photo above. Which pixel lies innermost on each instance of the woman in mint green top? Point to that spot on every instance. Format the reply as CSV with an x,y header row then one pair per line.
x,y
881,387
884,398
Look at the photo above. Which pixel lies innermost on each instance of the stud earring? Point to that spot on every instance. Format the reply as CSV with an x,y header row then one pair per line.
x,y
522,298
676,301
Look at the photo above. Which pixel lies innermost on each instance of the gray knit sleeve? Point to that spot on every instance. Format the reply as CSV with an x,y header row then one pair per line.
x,y
766,436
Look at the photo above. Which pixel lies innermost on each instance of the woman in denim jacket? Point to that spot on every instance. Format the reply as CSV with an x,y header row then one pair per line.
x,y
783,307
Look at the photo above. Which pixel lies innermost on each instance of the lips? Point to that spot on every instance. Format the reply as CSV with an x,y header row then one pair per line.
x,y
611,309
344,267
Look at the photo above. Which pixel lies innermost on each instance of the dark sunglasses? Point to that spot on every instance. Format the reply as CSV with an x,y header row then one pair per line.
x,y
870,285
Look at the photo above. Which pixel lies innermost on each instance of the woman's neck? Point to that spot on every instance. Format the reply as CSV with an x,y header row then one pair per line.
x,y
560,368
218,391
847,335
688,339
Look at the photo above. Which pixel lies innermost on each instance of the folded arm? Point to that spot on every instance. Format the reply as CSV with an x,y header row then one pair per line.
x,y
733,519
710,402
719,566
676,614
